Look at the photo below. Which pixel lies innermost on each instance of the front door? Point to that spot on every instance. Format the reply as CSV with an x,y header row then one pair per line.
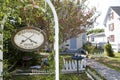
x,y
73,43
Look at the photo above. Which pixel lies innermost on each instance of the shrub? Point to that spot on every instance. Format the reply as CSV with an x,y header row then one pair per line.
x,y
89,47
109,50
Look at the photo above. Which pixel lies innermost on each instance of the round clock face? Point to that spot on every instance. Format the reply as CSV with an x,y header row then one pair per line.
x,y
28,39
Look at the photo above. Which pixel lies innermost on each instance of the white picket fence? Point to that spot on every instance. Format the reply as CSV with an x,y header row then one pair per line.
x,y
98,54
70,66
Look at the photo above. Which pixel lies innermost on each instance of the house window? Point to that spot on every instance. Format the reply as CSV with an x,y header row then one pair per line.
x,y
111,16
93,39
111,27
111,38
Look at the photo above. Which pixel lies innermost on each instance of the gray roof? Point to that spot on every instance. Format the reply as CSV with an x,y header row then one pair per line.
x,y
116,9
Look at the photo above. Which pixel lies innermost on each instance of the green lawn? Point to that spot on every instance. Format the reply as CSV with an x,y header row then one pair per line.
x,y
82,76
112,62
117,57
34,77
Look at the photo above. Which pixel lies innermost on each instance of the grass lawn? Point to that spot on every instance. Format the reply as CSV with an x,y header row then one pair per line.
x,y
117,57
112,62
34,77
82,76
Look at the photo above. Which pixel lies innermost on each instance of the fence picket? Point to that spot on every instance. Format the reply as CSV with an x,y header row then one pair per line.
x,y
70,66
98,54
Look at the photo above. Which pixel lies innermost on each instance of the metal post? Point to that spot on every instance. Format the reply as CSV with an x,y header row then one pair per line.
x,y
77,58
56,44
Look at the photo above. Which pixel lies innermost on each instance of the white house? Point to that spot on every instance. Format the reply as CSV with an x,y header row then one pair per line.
x,y
97,39
75,43
112,27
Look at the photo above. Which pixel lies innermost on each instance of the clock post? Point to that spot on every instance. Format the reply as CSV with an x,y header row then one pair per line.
x,y
25,40
56,43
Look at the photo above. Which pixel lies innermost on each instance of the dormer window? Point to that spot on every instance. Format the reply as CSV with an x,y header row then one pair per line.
x,y
111,27
111,16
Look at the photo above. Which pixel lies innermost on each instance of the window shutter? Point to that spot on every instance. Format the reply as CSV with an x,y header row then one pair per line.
x,y
112,15
112,26
112,38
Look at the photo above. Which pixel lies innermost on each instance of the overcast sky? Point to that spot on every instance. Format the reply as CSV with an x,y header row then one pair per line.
x,y
102,7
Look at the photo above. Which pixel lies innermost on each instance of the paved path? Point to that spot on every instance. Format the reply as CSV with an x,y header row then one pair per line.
x,y
108,73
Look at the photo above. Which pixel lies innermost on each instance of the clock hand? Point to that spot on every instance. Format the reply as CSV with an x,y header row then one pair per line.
x,y
26,38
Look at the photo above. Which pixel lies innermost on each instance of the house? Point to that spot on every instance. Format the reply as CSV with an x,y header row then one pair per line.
x,y
112,27
100,39
75,43
97,39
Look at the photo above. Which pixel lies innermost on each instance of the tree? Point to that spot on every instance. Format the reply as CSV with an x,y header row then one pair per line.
x,y
74,18
21,13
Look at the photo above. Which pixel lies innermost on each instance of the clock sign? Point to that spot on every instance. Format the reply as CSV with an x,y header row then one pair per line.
x,y
28,39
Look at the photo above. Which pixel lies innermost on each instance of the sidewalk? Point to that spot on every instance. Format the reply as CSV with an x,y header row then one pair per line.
x,y
108,73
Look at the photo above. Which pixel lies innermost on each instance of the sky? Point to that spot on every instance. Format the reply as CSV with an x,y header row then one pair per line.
x,y
102,7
